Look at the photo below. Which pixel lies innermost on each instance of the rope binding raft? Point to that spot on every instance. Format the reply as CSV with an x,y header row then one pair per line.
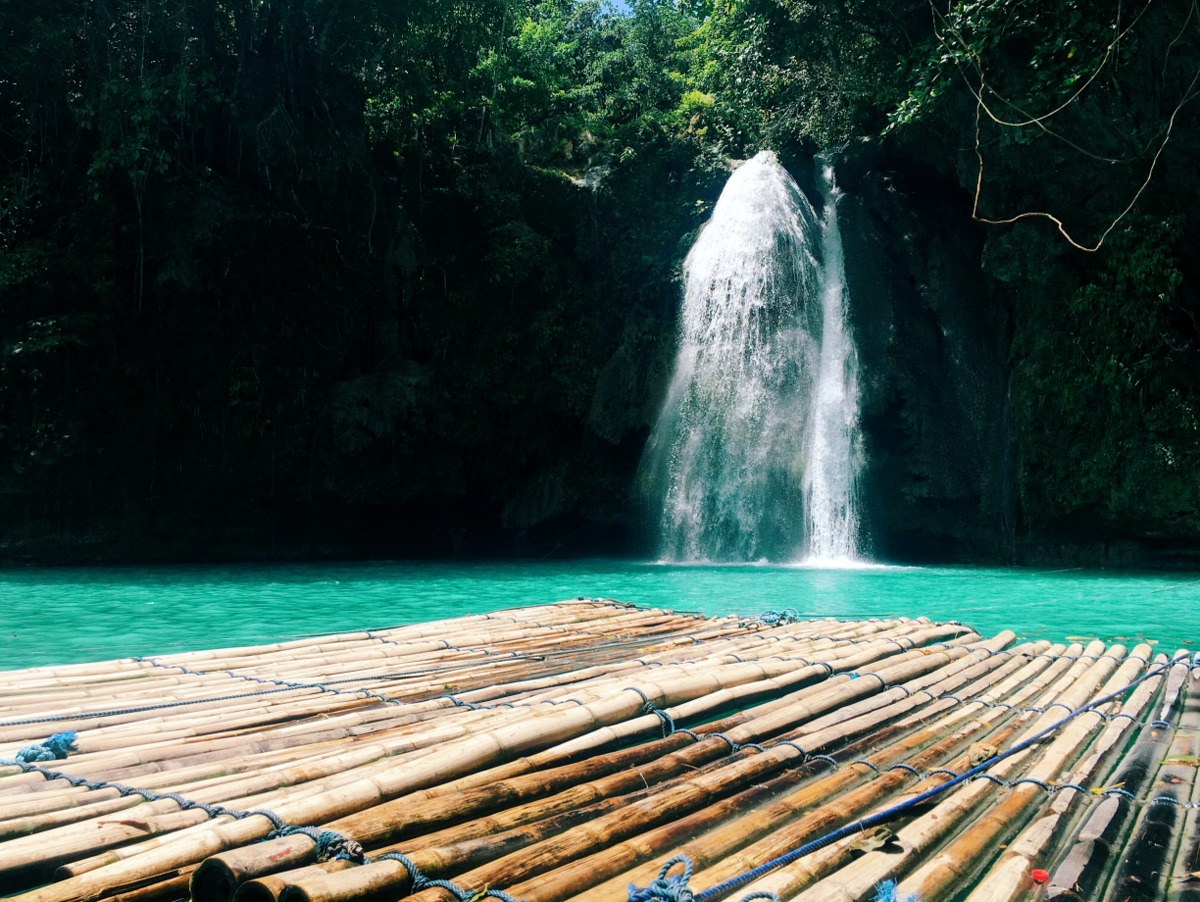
x,y
56,748
675,889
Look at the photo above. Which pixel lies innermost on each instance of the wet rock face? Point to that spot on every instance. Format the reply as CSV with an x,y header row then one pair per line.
x,y
940,474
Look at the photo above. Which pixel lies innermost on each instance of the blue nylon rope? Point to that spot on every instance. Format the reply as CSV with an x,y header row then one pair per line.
x,y
420,882
665,888
138,709
887,892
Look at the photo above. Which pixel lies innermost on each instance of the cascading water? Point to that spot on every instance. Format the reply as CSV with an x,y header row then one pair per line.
x,y
755,453
831,477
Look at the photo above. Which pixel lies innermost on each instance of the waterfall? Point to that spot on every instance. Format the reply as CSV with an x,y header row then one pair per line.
x,y
831,477
754,456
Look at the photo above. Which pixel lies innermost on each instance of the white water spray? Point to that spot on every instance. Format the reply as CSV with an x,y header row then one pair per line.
x,y
755,454
831,477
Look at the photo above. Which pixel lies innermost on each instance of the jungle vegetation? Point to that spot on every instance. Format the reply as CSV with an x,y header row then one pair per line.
x,y
362,277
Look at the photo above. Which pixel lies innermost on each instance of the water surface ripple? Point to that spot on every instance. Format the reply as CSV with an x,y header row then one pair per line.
x,y
70,615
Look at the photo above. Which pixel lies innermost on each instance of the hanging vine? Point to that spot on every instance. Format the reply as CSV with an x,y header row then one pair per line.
x,y
967,35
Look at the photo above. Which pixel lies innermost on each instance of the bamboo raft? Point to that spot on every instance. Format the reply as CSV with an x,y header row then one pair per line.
x,y
591,750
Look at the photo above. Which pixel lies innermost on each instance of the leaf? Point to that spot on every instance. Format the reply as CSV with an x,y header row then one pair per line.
x,y
872,840
1184,760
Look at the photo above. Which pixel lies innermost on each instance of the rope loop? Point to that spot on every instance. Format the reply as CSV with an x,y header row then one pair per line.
x,y
1166,800
867,763
991,778
666,889
1059,787
668,724
1122,793
185,804
123,791
276,821
830,761
733,746
420,882
281,830
779,618
646,703
648,707
883,684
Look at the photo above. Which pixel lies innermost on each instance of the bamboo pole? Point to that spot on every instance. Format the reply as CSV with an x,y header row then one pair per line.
x,y
994,725
856,878
1184,886
786,752
1009,878
959,861
972,722
417,812
269,887
752,769
362,831
571,880
1088,862
1145,866
457,759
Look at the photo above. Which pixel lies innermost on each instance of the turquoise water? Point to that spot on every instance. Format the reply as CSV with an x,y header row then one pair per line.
x,y
71,615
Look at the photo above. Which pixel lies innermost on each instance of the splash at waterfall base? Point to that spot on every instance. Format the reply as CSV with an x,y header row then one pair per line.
x,y
567,751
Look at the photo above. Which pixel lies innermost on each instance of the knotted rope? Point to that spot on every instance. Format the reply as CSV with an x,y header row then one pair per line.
x,y
675,888
56,748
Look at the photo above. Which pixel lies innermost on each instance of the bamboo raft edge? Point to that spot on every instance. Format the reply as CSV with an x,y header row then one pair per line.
x,y
565,751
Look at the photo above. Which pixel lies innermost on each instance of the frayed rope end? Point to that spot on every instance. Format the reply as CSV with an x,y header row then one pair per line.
x,y
886,892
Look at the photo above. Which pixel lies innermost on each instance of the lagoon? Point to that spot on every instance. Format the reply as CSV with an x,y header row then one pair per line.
x,y
57,616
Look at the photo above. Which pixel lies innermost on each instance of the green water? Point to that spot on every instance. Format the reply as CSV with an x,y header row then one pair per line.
x,y
70,615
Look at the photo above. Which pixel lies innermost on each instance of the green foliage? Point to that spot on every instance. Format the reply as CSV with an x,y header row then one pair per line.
x,y
262,257
1021,58
1105,394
